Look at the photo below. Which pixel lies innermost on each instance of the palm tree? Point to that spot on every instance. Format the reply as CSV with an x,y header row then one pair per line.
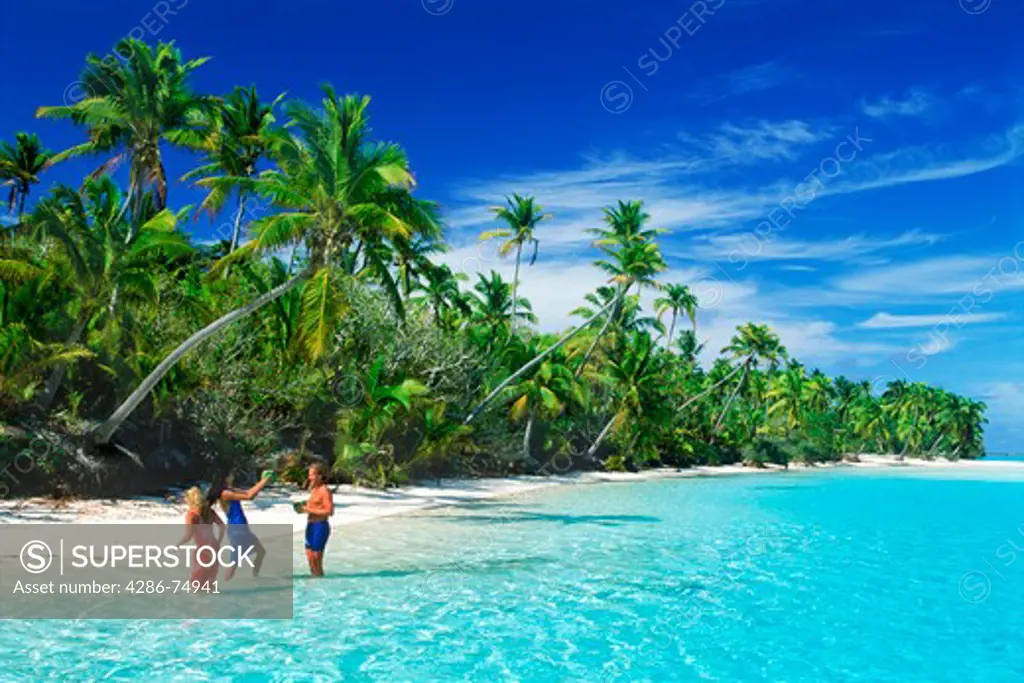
x,y
362,427
625,232
237,141
441,293
902,406
787,393
282,321
522,214
910,430
335,189
412,260
20,166
135,104
751,345
637,263
966,418
440,438
494,307
633,375
819,392
846,392
678,298
22,357
598,299
33,291
544,393
726,376
625,223
870,422
689,346
104,254
628,317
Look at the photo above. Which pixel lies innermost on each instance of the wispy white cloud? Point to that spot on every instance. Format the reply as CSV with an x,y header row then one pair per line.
x,y
749,247
886,321
915,102
981,277
758,140
749,79
925,164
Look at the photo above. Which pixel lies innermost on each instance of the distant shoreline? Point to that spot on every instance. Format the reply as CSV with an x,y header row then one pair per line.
x,y
355,505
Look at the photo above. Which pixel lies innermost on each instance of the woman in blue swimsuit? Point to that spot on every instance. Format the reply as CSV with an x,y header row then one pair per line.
x,y
240,536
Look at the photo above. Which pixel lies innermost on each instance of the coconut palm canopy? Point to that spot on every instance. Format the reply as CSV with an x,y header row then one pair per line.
x,y
136,104
21,164
331,316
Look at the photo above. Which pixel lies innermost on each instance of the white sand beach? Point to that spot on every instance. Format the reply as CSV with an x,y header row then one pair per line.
x,y
354,505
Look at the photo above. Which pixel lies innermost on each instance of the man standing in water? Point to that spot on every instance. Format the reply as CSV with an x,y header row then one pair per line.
x,y
319,508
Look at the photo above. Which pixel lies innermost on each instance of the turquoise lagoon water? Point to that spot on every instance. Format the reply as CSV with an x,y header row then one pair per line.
x,y
828,576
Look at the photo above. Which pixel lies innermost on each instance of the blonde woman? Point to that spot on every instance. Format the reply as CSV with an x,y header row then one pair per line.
x,y
200,519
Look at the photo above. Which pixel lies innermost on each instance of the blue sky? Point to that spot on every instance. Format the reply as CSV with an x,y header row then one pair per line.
x,y
900,257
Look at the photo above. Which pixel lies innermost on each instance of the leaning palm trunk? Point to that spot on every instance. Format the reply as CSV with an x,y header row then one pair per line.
x,y
237,229
236,232
600,334
515,286
533,363
57,376
728,403
671,329
112,305
107,429
127,202
528,436
711,388
602,436
132,191
593,344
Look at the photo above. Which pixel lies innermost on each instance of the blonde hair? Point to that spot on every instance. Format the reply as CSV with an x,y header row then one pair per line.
x,y
197,501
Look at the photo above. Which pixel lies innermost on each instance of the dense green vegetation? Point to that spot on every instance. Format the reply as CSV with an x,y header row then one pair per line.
x,y
325,324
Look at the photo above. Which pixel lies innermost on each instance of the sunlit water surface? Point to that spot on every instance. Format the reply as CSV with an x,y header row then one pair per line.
x,y
827,576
